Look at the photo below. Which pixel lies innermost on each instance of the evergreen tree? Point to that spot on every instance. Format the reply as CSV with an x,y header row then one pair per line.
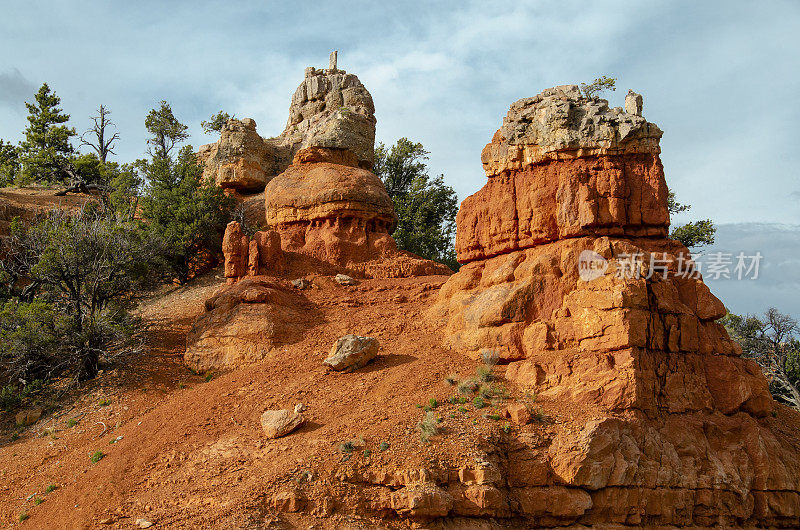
x,y
81,268
186,213
426,206
165,130
216,122
9,163
694,234
47,146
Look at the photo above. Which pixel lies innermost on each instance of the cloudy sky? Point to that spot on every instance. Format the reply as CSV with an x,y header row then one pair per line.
x,y
721,78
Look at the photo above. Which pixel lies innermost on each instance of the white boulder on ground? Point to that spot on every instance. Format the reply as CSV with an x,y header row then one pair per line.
x,y
352,352
277,423
344,279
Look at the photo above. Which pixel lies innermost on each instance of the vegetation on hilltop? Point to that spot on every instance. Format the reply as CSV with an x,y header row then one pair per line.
x,y
772,341
68,280
426,207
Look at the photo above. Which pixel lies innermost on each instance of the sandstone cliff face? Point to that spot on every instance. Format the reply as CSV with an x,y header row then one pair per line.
x,y
563,166
676,437
330,109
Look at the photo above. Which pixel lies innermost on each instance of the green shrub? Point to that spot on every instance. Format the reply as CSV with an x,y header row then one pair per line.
x,y
186,214
478,402
468,386
51,488
383,446
346,447
97,456
484,374
429,426
9,397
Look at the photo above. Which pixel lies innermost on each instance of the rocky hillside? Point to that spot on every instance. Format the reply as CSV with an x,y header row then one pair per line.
x,y
571,374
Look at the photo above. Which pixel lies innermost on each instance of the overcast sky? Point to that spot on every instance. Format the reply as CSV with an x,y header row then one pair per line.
x,y
721,78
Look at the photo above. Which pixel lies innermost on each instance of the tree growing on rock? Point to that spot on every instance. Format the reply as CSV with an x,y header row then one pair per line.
x,y
599,85
426,207
694,234
216,122
772,340
46,147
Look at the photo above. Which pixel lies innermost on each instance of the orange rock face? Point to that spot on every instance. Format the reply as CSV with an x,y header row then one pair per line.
x,y
246,321
609,195
327,208
332,212
569,275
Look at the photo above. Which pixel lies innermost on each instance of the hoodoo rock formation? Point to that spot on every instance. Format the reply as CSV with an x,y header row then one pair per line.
x,y
330,109
568,274
326,212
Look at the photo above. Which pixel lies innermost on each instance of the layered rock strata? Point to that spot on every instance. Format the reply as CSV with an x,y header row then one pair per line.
x,y
568,274
330,109
331,211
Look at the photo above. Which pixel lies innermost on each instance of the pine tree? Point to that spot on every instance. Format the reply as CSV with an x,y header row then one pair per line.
x,y
184,212
426,207
47,143
9,163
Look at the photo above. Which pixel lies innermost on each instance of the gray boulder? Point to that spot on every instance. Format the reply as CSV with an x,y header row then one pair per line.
x,y
352,352
344,279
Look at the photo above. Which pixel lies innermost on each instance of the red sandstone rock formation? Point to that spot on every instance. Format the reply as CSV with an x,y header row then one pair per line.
x,y
333,212
246,321
326,208
676,437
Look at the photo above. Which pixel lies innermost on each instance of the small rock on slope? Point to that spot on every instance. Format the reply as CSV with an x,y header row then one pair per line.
x,y
277,423
344,279
351,352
